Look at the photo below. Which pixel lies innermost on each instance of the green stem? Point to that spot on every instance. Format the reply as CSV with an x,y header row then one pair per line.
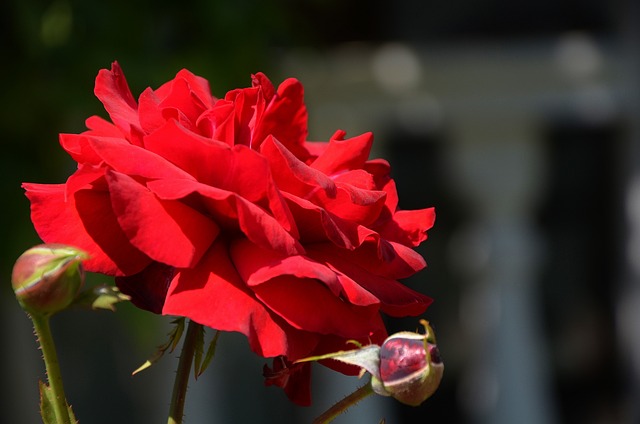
x,y
43,332
176,411
340,407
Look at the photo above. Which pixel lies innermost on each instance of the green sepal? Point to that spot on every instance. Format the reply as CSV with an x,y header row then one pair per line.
x,y
378,387
174,338
200,367
104,296
198,351
46,407
47,411
367,358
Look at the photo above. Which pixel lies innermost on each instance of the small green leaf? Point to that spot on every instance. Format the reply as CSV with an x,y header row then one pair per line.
x,y
176,334
198,349
101,297
174,338
47,411
46,407
211,351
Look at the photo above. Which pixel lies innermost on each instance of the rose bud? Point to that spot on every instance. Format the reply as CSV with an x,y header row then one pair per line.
x,y
410,367
47,278
407,366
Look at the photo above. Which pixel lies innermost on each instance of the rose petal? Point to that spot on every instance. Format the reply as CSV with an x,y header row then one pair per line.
x,y
148,288
292,175
114,93
232,212
396,298
239,170
190,152
188,93
133,160
354,205
100,126
78,147
218,122
344,155
150,113
167,231
213,294
381,257
56,219
315,149
319,225
295,379
256,266
316,224
409,227
285,118
248,104
308,305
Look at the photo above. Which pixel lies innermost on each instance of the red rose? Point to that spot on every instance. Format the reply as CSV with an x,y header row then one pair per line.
x,y
219,210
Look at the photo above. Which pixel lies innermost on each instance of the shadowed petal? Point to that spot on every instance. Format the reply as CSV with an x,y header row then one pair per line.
x,y
213,294
167,231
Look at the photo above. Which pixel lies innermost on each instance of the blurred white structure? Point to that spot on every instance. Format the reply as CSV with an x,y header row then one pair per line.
x,y
490,98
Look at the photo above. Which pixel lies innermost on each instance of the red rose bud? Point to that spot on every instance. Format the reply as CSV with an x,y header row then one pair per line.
x,y
407,366
47,278
410,367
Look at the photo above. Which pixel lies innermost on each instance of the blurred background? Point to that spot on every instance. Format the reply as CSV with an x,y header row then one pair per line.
x,y
518,121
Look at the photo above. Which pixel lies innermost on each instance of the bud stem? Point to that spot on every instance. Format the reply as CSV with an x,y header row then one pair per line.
x,y
341,406
43,333
176,411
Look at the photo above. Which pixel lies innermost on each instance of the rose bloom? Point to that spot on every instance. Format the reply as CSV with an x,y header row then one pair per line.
x,y
220,210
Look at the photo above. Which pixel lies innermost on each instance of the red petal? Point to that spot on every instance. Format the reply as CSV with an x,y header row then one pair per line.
x,y
409,227
317,225
190,152
100,126
232,212
285,118
308,305
198,85
354,205
167,231
315,149
257,266
396,298
239,170
213,294
248,106
87,222
133,160
149,111
114,93
260,80
218,122
148,288
292,175
380,257
295,379
343,155
182,100
79,148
